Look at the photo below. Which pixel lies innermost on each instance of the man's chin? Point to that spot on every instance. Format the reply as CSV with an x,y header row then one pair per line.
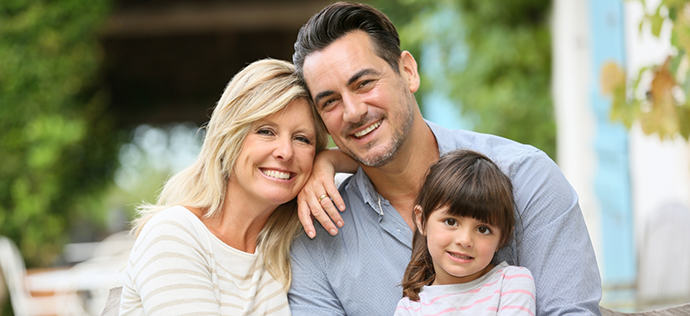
x,y
375,159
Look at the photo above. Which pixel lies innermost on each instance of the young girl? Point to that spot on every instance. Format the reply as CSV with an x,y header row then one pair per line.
x,y
464,214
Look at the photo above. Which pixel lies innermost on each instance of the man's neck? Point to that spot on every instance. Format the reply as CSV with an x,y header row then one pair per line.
x,y
399,181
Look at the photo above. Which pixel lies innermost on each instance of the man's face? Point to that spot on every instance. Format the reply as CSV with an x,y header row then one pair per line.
x,y
367,107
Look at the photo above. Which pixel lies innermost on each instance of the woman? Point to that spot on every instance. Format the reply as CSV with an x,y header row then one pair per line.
x,y
217,242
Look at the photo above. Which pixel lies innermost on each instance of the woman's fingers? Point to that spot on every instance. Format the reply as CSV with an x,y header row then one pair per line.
x,y
309,207
305,218
317,210
335,196
329,204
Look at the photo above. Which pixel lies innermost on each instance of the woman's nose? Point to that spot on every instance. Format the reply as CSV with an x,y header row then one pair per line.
x,y
283,150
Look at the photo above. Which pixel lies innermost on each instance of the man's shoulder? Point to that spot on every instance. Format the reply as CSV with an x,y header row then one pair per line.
x,y
495,147
499,146
506,153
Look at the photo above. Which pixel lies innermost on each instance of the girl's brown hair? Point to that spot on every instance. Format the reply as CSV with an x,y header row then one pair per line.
x,y
471,185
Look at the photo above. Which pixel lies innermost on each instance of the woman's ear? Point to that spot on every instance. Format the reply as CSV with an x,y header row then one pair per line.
x,y
418,219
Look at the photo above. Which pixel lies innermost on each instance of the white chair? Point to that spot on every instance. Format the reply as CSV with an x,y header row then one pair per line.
x,y
664,259
109,260
14,273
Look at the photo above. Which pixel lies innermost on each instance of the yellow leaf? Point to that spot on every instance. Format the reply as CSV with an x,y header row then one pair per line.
x,y
612,77
662,84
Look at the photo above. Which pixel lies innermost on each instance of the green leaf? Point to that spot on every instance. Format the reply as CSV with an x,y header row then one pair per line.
x,y
657,23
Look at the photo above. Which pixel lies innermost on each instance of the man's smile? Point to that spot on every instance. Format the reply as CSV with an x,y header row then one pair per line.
x,y
367,130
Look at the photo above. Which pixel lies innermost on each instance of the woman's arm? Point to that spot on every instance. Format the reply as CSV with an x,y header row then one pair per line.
x,y
321,182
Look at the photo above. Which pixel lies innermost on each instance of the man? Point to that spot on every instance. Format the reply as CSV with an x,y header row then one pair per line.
x,y
363,88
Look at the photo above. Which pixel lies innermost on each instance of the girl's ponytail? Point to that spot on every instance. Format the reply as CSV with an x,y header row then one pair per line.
x,y
420,271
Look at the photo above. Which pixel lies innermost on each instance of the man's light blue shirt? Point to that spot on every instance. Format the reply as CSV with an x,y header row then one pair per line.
x,y
358,271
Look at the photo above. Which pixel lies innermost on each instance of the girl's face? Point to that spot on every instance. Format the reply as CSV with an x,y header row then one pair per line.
x,y
461,247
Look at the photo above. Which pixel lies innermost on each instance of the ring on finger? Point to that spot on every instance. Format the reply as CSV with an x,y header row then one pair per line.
x,y
323,196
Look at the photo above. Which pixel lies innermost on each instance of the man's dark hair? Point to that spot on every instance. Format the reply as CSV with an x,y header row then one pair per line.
x,y
341,18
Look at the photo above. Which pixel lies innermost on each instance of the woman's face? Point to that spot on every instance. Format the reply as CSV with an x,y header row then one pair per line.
x,y
276,156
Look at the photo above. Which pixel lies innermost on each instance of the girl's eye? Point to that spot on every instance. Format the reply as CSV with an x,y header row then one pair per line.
x,y
450,221
484,230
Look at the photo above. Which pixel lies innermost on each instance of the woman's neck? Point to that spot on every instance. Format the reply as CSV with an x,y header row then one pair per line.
x,y
239,221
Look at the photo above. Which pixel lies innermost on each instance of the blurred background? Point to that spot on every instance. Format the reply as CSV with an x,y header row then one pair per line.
x,y
101,100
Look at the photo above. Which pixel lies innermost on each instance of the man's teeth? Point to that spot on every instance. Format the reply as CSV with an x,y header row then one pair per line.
x,y
277,174
368,129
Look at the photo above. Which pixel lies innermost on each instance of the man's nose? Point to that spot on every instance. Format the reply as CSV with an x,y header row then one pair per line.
x,y
354,109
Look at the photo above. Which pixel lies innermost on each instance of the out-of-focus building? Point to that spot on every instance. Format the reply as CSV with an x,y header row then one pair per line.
x,y
169,61
634,189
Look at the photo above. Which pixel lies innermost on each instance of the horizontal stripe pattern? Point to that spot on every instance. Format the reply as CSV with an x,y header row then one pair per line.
x,y
505,290
178,267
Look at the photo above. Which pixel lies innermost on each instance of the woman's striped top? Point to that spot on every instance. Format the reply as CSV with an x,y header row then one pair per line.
x,y
178,267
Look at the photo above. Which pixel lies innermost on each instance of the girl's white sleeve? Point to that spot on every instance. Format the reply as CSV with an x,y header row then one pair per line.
x,y
517,292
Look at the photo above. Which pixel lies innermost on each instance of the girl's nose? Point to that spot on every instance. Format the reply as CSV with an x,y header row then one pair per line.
x,y
463,238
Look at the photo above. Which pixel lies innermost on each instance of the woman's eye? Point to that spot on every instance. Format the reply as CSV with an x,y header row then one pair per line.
x,y
484,230
303,139
265,131
450,221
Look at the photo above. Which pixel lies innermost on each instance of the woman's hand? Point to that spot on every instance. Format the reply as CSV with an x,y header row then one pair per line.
x,y
314,199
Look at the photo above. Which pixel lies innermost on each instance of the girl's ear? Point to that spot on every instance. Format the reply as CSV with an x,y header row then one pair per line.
x,y
418,219
499,245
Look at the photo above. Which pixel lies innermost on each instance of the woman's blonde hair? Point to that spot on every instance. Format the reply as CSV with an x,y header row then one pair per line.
x,y
258,91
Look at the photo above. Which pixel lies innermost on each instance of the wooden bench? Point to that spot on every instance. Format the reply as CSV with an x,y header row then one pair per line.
x,y
669,311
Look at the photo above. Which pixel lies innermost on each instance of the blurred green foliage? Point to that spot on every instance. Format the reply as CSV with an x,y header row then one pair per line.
x,y
504,83
57,146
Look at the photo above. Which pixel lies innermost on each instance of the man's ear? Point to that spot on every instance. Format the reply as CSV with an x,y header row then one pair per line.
x,y
418,219
409,71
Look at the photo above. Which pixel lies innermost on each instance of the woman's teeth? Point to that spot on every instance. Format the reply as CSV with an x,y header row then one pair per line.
x,y
368,129
277,174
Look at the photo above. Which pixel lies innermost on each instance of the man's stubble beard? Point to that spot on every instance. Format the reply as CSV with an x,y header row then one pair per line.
x,y
399,137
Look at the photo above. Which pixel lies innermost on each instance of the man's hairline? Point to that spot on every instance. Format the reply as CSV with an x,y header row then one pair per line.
x,y
372,45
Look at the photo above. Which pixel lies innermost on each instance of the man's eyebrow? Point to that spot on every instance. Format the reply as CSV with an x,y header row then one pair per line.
x,y
354,78
322,95
361,73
